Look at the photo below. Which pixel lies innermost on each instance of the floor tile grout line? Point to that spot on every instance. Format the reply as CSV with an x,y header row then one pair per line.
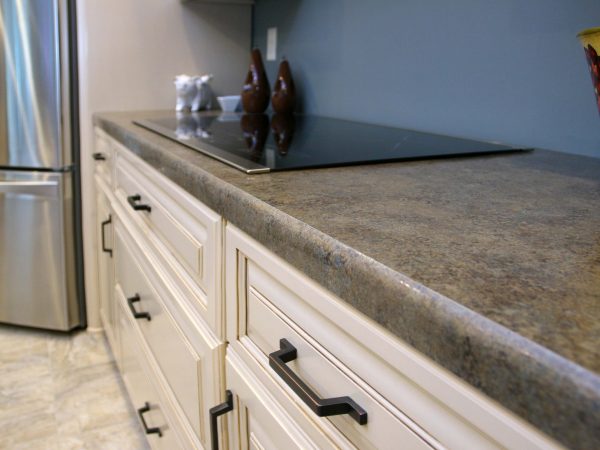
x,y
73,345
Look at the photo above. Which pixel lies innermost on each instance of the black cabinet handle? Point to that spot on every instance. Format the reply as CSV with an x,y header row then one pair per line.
x,y
153,430
136,314
104,248
322,407
133,202
99,156
214,413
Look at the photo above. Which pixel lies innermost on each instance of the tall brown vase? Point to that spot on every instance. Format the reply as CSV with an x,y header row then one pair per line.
x,y
590,39
256,91
284,91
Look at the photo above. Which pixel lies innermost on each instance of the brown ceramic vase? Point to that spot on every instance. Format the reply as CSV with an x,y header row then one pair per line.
x,y
256,91
284,91
590,39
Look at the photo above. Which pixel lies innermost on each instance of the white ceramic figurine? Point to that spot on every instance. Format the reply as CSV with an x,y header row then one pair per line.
x,y
203,97
193,92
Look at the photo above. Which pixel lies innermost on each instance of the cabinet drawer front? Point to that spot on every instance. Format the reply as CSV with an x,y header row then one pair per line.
x,y
139,386
103,155
184,234
186,247
321,371
177,359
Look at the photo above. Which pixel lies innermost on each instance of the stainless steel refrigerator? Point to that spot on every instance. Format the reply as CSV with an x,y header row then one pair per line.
x,y
40,233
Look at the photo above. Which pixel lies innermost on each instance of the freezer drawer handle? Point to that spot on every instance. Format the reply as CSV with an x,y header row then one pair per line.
x,y
141,411
133,202
322,407
43,188
136,314
215,412
104,248
99,156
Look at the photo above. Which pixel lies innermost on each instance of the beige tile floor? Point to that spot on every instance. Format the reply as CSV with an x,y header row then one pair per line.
x,y
60,391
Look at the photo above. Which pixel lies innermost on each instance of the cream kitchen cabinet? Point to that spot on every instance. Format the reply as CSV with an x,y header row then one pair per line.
x,y
183,234
103,156
159,276
222,343
304,346
104,233
183,356
104,237
137,377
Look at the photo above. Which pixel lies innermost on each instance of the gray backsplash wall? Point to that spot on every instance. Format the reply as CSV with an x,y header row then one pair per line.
x,y
507,70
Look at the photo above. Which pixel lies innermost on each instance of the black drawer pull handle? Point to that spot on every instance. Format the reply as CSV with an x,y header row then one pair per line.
x,y
133,202
99,156
322,407
136,314
104,248
141,411
215,412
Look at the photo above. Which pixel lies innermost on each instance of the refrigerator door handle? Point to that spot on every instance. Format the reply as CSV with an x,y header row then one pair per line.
x,y
42,188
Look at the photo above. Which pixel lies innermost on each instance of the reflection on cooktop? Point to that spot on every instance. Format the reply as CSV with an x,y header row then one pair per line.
x,y
257,143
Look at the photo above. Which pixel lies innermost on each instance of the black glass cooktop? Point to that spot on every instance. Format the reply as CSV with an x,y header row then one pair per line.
x,y
257,143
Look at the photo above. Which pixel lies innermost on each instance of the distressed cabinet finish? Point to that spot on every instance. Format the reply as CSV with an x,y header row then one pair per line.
x,y
184,234
198,312
159,266
144,394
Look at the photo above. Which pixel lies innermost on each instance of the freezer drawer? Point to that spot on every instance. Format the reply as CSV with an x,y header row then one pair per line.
x,y
37,268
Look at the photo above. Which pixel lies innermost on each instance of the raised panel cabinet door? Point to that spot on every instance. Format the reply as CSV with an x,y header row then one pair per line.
x,y
105,220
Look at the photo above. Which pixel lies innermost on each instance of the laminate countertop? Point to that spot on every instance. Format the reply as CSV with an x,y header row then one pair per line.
x,y
489,265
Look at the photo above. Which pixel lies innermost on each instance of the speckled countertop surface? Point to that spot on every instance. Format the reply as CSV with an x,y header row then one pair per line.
x,y
489,265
